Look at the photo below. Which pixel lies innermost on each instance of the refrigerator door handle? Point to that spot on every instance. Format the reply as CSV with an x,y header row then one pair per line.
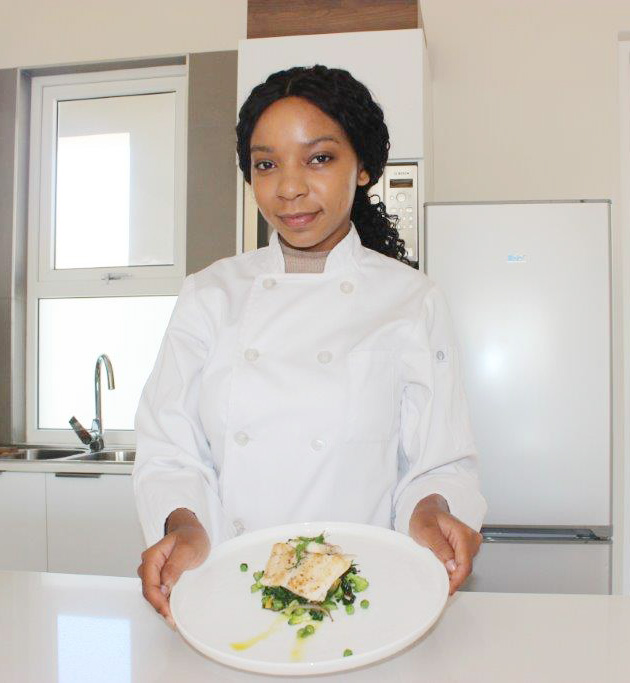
x,y
546,534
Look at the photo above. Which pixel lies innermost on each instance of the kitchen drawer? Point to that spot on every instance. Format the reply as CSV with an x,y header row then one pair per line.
x,y
502,567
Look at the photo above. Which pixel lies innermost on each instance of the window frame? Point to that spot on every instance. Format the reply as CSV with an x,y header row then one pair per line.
x,y
42,280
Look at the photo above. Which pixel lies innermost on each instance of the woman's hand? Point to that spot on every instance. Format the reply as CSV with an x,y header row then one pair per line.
x,y
185,546
454,543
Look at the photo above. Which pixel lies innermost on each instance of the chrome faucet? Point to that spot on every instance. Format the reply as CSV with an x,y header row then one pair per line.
x,y
94,437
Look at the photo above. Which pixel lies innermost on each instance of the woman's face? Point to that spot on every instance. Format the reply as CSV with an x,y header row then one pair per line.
x,y
304,174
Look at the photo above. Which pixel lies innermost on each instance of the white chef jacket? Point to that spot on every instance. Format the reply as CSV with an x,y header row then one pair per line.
x,y
286,397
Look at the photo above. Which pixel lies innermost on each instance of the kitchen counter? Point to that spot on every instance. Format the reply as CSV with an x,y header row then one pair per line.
x,y
68,466
67,628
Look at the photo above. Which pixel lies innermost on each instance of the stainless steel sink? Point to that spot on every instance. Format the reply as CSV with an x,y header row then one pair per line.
x,y
24,452
107,455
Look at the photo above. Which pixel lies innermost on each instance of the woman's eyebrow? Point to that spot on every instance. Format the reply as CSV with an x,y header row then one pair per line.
x,y
309,143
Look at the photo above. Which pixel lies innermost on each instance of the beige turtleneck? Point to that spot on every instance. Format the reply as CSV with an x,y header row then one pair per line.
x,y
300,261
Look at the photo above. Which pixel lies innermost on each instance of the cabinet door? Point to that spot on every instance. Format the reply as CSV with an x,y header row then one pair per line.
x,y
376,58
93,526
23,521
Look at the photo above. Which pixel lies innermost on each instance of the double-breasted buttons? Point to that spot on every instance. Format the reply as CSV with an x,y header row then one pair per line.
x,y
318,444
346,287
324,357
251,355
241,438
269,283
239,527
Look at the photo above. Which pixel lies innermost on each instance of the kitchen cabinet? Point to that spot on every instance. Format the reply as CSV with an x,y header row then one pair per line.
x,y
392,64
23,521
93,525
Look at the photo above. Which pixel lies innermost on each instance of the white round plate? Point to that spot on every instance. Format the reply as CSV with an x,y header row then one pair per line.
x,y
213,606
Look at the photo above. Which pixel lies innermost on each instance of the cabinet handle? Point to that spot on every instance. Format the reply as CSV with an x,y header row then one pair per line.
x,y
79,475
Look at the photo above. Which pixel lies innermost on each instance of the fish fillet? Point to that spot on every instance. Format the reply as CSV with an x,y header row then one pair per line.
x,y
311,578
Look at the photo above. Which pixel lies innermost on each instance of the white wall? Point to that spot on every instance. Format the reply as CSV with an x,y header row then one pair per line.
x,y
40,32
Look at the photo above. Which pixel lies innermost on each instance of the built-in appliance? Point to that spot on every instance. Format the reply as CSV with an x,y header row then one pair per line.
x,y
400,188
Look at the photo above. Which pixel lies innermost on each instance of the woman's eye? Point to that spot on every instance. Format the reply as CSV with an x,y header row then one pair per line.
x,y
321,158
263,165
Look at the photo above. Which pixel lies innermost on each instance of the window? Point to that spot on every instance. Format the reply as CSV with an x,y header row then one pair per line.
x,y
106,245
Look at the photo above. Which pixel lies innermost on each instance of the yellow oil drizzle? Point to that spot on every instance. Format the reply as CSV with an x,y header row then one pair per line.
x,y
265,634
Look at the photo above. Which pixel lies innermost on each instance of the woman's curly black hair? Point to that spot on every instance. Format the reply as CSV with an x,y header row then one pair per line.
x,y
339,95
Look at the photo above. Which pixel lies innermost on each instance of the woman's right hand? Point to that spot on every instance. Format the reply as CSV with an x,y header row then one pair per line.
x,y
185,546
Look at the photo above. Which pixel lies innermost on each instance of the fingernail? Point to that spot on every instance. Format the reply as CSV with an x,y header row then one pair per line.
x,y
164,589
171,623
451,566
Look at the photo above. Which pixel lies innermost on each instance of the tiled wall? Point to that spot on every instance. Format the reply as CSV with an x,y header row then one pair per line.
x,y
211,202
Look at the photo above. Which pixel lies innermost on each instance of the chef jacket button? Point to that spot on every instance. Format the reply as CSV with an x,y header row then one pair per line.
x,y
239,527
268,283
346,287
324,357
251,354
318,444
241,438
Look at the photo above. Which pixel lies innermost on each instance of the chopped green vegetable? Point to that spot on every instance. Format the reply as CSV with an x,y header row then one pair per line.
x,y
255,587
277,605
365,604
358,583
350,609
258,576
296,618
243,567
347,652
306,631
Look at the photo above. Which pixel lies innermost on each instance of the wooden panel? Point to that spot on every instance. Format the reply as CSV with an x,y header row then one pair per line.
x,y
267,18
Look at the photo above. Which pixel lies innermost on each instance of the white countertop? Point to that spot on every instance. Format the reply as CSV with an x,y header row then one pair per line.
x,y
74,628
68,466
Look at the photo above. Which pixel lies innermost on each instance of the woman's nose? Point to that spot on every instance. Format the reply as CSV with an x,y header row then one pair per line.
x,y
291,185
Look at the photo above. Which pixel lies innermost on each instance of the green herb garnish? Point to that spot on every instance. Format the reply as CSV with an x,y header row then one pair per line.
x,y
243,567
303,541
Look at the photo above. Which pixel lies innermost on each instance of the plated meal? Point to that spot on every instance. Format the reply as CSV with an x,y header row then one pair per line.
x,y
310,598
306,579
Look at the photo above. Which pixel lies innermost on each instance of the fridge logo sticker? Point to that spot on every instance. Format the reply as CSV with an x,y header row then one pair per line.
x,y
517,258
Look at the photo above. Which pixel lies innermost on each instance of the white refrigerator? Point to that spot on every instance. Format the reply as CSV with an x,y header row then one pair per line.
x,y
528,286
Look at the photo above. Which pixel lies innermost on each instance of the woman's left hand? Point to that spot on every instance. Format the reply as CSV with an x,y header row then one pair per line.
x,y
453,542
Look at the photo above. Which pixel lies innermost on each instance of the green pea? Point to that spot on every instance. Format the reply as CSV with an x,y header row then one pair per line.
x,y
347,652
365,604
350,609
243,567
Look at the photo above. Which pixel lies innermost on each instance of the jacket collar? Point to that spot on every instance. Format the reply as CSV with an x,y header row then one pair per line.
x,y
346,253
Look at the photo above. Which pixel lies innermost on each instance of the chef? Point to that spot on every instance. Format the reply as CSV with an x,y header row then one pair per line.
x,y
314,379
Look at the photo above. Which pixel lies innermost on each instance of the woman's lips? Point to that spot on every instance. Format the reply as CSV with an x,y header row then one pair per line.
x,y
298,220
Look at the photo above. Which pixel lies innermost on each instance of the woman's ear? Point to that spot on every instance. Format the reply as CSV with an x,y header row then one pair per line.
x,y
363,178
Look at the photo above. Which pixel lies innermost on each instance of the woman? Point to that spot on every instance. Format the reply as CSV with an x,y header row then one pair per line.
x,y
314,379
